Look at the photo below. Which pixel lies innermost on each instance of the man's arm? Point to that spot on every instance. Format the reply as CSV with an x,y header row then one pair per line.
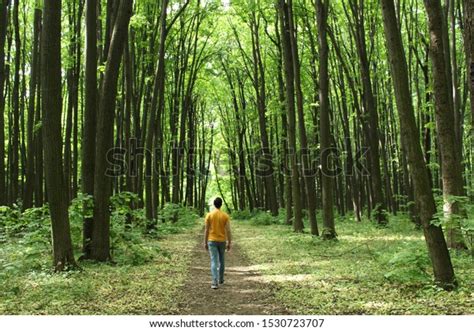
x,y
228,235
206,236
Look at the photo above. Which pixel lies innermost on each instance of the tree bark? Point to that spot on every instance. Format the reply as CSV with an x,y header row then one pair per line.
x,y
438,251
371,125
469,50
90,119
14,163
154,120
307,172
30,159
3,34
329,231
444,113
100,246
52,106
290,104
266,158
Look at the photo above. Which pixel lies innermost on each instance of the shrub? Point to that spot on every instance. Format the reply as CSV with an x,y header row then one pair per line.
x,y
467,228
9,221
242,214
410,265
30,231
174,213
265,218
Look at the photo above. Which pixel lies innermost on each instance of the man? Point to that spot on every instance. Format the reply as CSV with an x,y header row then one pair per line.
x,y
216,234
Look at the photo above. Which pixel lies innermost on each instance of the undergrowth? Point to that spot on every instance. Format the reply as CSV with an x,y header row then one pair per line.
x,y
28,284
368,270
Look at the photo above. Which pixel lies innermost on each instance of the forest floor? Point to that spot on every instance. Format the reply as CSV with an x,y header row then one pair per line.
x,y
270,270
369,270
243,292
129,286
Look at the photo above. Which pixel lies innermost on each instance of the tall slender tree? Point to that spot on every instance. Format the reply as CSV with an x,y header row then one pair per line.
x,y
469,50
329,231
261,95
100,246
52,105
451,168
3,34
307,172
153,132
90,116
440,259
283,8
14,151
30,165
370,117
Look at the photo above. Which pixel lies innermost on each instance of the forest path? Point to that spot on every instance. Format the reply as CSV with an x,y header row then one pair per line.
x,y
242,294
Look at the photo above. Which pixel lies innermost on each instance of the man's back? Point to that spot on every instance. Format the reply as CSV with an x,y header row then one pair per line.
x,y
217,221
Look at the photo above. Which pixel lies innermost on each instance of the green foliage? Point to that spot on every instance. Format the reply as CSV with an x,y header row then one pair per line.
x,y
123,211
9,223
369,270
464,221
15,224
170,213
266,218
410,265
467,228
82,206
28,285
174,218
260,217
30,231
128,246
127,228
138,21
175,212
149,288
242,214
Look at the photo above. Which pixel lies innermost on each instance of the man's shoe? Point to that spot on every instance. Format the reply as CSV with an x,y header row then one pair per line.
x,y
214,286
221,282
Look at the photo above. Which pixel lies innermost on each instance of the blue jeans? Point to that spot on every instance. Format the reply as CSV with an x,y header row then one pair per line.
x,y
216,251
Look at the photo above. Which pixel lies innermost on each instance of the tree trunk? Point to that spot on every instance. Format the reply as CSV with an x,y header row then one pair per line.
x,y
14,163
52,106
90,117
73,77
154,120
100,247
469,49
266,159
441,261
308,173
469,52
3,33
30,159
329,231
458,114
371,125
38,141
451,168
290,104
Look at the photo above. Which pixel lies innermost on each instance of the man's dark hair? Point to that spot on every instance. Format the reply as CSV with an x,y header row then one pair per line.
x,y
218,203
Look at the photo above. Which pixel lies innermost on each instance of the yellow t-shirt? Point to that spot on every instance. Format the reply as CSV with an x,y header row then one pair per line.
x,y
217,221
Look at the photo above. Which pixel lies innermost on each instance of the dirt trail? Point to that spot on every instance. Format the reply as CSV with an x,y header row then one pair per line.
x,y
242,294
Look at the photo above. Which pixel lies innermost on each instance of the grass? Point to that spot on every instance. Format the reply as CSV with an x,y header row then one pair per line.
x,y
111,289
368,270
